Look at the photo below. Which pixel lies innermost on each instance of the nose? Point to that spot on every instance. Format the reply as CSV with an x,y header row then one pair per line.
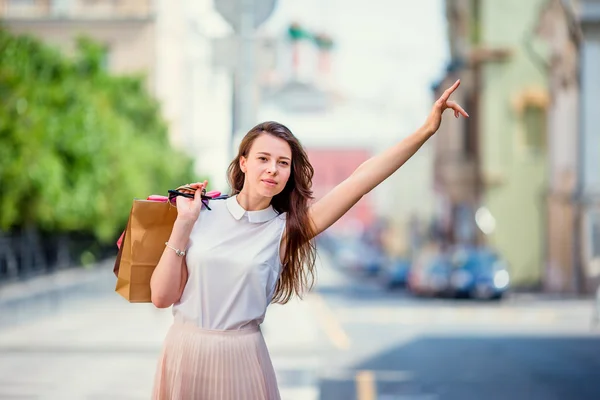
x,y
272,168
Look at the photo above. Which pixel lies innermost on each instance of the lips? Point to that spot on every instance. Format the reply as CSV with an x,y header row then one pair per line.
x,y
269,182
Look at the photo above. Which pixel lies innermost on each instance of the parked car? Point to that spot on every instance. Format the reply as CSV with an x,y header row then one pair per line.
x,y
356,256
394,274
478,272
430,273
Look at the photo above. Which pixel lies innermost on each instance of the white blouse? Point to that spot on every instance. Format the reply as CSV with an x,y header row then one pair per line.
x,y
233,266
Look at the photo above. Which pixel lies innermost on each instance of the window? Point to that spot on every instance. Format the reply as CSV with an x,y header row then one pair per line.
x,y
19,5
470,130
475,25
595,235
61,7
534,128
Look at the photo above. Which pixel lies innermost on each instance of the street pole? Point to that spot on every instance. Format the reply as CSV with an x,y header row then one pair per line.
x,y
244,17
244,110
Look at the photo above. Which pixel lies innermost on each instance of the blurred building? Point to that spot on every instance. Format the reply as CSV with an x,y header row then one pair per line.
x,y
171,43
333,165
528,156
340,132
127,29
572,31
587,201
497,160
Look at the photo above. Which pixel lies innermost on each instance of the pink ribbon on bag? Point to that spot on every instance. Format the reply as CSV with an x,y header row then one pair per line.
x,y
164,199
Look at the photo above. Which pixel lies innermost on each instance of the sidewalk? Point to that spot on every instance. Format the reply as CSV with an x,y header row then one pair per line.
x,y
61,280
97,330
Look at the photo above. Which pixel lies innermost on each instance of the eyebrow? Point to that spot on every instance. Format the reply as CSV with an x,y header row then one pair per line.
x,y
269,154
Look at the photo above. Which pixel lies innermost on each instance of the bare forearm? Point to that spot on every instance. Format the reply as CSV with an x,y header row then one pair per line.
x,y
380,167
331,207
166,278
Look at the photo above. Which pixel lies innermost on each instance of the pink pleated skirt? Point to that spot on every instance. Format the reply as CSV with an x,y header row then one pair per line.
x,y
202,364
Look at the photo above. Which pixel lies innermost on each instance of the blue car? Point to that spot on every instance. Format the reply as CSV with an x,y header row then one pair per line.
x,y
478,273
394,274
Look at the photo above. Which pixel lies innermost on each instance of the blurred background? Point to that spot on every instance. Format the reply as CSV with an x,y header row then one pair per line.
x,y
471,273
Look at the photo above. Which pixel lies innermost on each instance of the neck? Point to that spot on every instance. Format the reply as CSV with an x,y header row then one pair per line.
x,y
251,202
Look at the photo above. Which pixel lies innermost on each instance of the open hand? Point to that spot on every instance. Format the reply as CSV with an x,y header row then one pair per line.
x,y
442,104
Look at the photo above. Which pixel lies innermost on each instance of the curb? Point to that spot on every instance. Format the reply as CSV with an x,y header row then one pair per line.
x,y
544,296
63,280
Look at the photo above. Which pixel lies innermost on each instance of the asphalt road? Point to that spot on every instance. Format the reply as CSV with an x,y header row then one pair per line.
x,y
347,340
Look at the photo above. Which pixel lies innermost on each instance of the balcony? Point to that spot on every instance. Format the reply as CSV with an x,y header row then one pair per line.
x,y
78,10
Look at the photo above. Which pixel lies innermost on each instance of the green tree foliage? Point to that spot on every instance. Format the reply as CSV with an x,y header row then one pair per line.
x,y
77,144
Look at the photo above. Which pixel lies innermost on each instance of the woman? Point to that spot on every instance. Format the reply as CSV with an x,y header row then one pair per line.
x,y
221,268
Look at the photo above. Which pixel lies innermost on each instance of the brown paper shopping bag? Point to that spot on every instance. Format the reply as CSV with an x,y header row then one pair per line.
x,y
143,242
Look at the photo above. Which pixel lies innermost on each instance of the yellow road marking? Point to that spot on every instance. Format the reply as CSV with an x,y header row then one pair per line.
x,y
330,323
365,385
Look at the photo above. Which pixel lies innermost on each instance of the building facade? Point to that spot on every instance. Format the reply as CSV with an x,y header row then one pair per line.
x,y
531,71
491,170
557,26
588,199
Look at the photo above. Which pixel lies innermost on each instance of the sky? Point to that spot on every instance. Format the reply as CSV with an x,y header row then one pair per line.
x,y
387,51
390,50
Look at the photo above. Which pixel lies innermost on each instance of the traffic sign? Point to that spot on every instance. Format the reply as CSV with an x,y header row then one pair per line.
x,y
233,10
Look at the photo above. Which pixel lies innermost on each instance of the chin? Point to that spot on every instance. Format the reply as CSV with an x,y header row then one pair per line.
x,y
269,192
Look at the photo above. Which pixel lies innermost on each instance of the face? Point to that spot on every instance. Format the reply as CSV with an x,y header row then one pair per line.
x,y
267,167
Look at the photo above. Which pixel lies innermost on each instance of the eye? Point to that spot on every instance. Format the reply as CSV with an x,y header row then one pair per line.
x,y
284,163
262,158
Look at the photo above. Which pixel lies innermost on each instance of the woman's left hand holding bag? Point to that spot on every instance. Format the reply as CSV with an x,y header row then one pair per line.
x,y
170,275
189,209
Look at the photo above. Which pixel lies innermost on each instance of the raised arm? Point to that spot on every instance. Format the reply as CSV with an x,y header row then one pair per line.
x,y
326,211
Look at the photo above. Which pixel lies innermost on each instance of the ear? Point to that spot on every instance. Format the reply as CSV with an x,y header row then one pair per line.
x,y
243,164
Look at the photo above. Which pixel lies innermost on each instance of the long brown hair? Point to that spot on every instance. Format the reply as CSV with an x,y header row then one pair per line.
x,y
298,270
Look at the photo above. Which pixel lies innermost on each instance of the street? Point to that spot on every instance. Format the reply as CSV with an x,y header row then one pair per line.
x,y
451,146
346,340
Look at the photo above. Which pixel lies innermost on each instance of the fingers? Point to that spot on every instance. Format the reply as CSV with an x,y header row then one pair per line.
x,y
193,187
449,91
458,110
198,185
199,188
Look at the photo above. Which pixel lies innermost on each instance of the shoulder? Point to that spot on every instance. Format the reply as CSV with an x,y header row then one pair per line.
x,y
215,203
281,220
212,209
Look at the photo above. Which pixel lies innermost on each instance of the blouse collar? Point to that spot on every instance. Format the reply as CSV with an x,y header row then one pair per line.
x,y
237,211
